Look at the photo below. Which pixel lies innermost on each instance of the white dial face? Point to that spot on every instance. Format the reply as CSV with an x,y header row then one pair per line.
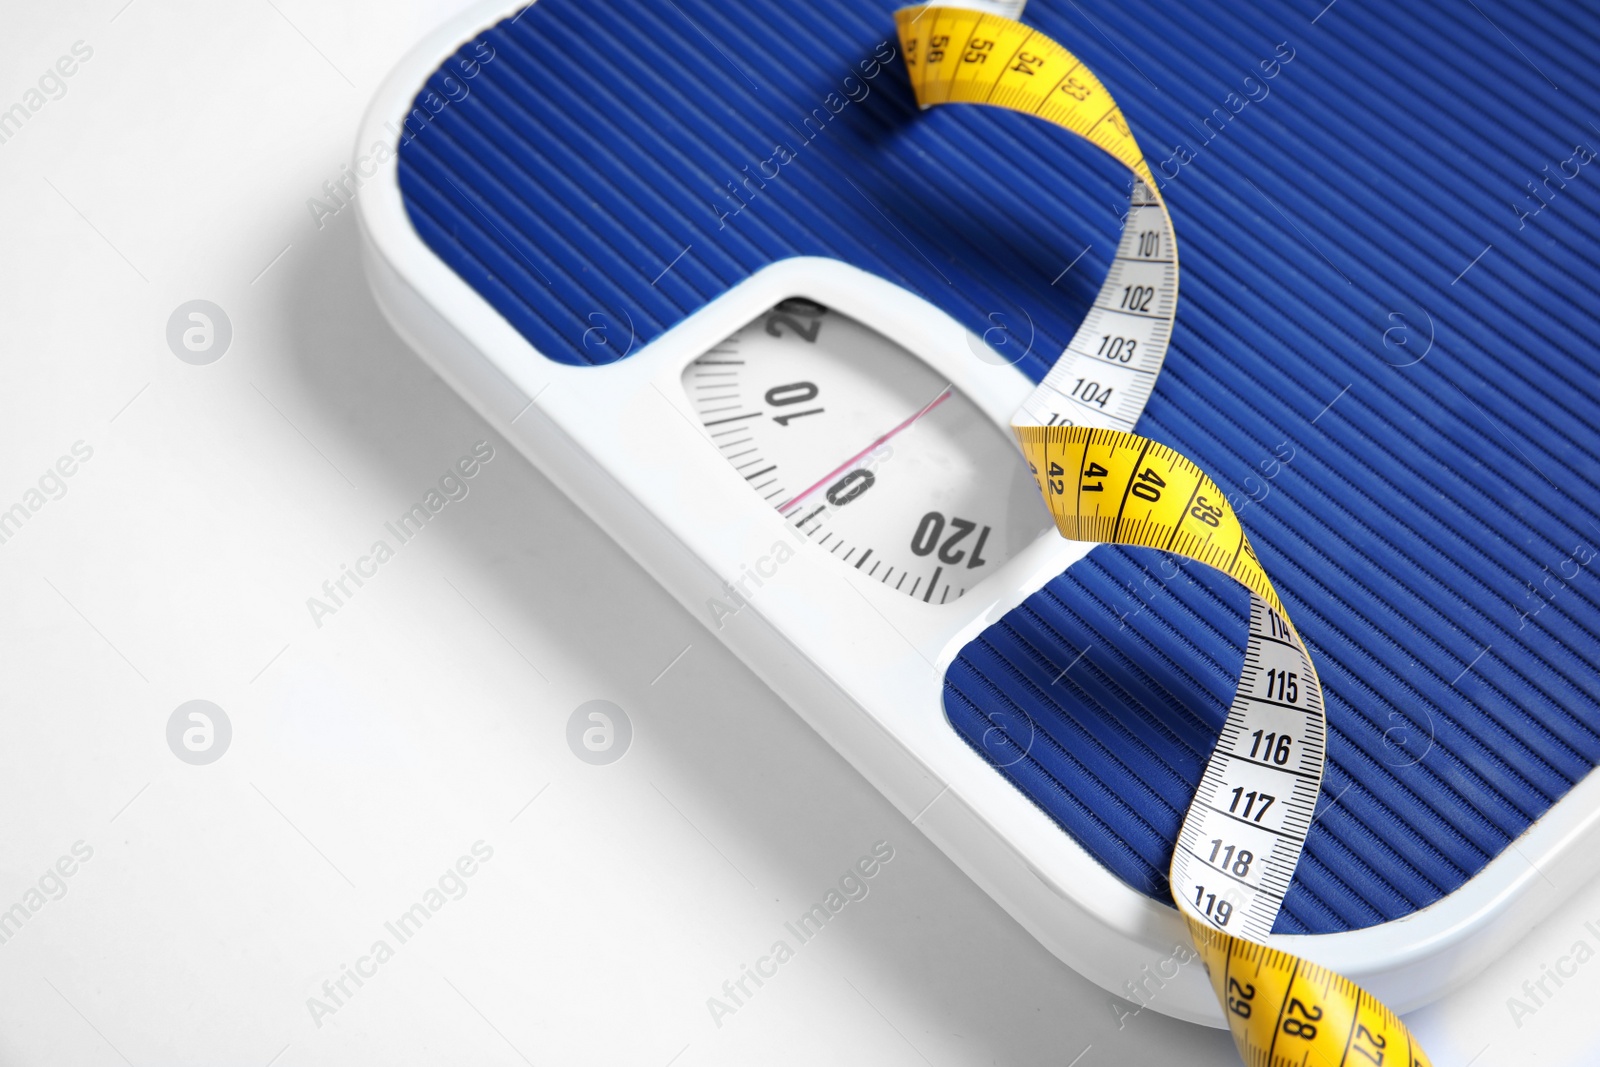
x,y
866,451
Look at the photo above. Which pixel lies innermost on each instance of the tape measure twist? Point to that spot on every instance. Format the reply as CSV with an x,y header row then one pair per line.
x,y
1244,832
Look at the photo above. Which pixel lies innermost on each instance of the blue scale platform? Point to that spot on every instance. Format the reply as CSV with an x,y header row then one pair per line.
x,y
1430,526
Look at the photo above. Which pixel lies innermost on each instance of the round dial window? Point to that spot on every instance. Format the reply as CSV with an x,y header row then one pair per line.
x,y
866,450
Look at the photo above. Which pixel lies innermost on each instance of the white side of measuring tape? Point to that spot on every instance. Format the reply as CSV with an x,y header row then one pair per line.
x,y
1011,9
1105,376
1234,849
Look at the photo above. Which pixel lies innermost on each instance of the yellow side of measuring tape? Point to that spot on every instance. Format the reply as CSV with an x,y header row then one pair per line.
x,y
1243,834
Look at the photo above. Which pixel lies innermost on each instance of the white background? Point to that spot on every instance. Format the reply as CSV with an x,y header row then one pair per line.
x,y
370,753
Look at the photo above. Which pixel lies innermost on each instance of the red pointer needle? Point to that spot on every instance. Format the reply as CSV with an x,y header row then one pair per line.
x,y
853,460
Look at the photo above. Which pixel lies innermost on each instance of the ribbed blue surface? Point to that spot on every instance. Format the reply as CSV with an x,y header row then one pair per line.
x,y
580,181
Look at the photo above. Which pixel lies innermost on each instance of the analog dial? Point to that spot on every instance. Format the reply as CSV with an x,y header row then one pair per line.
x,y
866,450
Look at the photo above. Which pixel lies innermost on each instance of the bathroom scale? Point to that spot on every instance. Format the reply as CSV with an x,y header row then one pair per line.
x,y
723,274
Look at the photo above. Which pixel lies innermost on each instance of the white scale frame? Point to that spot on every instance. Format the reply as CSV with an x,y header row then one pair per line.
x,y
624,442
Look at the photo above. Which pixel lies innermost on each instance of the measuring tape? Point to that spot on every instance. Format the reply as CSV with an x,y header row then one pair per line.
x,y
1246,827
